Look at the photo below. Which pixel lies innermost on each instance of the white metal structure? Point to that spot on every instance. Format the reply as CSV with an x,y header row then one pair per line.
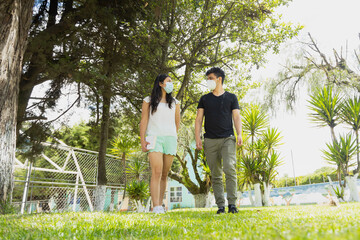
x,y
63,178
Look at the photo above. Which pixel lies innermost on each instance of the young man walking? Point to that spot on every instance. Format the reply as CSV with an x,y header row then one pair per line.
x,y
221,110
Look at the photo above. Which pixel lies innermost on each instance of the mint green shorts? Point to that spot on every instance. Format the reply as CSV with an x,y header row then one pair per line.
x,y
166,145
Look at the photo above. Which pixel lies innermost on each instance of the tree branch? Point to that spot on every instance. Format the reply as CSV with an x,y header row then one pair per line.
x,y
78,98
194,161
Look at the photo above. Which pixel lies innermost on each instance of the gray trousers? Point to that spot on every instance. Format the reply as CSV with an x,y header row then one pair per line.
x,y
222,149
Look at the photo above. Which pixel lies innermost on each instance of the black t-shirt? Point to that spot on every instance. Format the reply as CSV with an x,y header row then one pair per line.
x,y
218,114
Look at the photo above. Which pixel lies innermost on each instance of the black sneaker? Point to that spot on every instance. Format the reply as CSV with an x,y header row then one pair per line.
x,y
232,208
220,210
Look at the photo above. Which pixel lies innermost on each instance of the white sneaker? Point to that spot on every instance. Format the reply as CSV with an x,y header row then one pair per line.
x,y
158,210
161,210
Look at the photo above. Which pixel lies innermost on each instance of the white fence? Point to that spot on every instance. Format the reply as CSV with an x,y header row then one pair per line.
x,y
64,179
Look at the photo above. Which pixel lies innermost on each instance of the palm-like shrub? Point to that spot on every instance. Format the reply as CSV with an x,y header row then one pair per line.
x,y
121,146
254,121
329,109
341,153
350,114
257,158
272,138
138,191
325,106
269,168
136,168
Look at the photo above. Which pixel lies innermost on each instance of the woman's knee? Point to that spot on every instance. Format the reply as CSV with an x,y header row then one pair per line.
x,y
164,176
156,173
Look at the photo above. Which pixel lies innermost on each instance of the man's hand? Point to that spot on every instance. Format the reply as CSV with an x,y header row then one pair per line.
x,y
198,144
239,141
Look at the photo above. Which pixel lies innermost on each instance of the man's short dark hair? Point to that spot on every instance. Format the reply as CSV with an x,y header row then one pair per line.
x,y
217,71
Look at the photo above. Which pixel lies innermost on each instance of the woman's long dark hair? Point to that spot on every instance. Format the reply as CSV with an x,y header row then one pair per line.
x,y
156,93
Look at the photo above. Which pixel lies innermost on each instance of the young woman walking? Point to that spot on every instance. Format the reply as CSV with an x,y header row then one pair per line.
x,y
160,121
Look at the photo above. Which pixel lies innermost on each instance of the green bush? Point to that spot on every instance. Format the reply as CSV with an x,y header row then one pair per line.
x,y
7,208
138,190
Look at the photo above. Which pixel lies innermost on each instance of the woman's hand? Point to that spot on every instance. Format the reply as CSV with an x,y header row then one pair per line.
x,y
144,146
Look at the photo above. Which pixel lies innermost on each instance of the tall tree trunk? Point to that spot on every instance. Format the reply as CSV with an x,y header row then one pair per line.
x,y
15,18
24,96
333,137
257,190
266,196
251,197
101,177
357,152
125,177
185,82
201,199
352,183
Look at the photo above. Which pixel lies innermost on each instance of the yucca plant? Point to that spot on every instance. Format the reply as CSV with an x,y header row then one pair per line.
x,y
254,121
121,146
269,168
272,139
138,191
136,168
325,109
350,114
257,152
250,171
341,153
339,192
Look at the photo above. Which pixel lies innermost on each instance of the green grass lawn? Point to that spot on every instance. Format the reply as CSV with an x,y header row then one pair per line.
x,y
294,222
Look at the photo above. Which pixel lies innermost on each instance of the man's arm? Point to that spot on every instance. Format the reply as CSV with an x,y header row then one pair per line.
x,y
198,125
238,125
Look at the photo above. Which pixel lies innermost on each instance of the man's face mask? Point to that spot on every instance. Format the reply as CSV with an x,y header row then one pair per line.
x,y
211,84
169,87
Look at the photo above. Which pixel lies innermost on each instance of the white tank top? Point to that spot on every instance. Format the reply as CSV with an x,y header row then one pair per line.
x,y
162,122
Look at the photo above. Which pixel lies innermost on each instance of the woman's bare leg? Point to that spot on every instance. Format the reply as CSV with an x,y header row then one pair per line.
x,y
167,162
156,165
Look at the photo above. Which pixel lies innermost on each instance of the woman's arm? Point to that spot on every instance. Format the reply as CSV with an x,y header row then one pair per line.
x,y
177,117
143,125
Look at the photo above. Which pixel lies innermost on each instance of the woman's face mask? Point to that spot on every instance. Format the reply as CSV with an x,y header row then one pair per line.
x,y
211,84
169,87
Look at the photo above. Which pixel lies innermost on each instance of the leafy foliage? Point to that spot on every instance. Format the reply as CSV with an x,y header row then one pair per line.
x,y
138,190
137,168
341,153
257,157
325,106
339,192
319,176
351,116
